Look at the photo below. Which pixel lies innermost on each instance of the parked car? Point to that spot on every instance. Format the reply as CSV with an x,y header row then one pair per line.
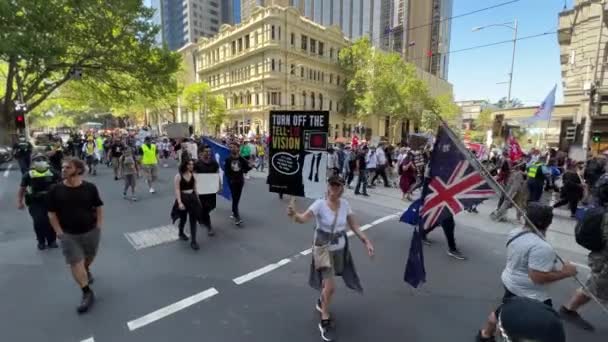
x,y
6,154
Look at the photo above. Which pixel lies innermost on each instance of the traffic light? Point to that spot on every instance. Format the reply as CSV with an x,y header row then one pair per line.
x,y
20,120
596,137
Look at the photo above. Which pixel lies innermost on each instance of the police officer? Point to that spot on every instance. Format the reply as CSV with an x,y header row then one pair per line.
x,y
22,151
34,187
536,180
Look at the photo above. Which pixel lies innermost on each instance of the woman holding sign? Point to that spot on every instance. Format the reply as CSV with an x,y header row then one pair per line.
x,y
331,255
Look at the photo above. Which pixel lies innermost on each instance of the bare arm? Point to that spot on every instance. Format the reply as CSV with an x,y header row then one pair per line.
x,y
356,228
178,193
55,224
542,278
20,197
99,213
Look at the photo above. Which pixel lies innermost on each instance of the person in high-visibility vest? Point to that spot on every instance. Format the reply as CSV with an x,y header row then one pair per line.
x,y
35,185
149,162
89,149
536,180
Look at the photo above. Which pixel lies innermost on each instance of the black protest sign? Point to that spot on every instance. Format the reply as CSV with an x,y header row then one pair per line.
x,y
298,152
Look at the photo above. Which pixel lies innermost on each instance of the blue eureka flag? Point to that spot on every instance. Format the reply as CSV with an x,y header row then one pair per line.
x,y
220,152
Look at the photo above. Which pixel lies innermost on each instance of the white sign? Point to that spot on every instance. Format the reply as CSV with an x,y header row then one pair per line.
x,y
207,183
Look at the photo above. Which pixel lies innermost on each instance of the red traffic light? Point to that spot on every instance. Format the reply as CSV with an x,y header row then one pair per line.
x,y
20,118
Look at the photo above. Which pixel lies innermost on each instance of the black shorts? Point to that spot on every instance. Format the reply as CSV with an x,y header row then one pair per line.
x,y
509,295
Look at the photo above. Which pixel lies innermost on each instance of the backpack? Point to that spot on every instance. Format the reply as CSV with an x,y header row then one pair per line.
x,y
589,232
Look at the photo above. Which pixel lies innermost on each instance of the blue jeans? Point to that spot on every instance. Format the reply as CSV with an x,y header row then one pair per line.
x,y
362,181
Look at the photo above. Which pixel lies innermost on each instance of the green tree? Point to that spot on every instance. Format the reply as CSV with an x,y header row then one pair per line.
x,y
503,103
45,43
484,120
210,108
443,107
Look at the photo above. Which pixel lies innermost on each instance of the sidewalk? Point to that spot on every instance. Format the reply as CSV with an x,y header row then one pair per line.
x,y
560,235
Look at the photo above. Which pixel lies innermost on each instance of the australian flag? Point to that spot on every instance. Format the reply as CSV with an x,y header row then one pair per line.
x,y
453,184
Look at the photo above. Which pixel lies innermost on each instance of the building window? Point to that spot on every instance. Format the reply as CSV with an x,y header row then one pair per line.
x,y
272,64
331,52
275,98
331,78
214,4
331,105
293,99
320,101
321,47
293,39
322,77
304,43
247,41
280,64
312,100
313,45
293,69
255,41
240,44
272,32
302,72
338,80
214,21
304,99
279,32
233,48
214,12
257,99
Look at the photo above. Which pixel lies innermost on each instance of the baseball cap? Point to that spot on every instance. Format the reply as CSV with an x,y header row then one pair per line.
x,y
525,319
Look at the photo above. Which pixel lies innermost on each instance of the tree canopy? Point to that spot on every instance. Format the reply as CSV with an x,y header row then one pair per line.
x,y
45,44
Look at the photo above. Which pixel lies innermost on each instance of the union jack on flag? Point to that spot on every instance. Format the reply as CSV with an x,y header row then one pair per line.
x,y
453,185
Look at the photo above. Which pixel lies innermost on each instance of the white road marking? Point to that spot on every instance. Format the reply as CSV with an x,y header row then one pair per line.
x,y
152,237
8,170
261,271
90,339
171,309
306,251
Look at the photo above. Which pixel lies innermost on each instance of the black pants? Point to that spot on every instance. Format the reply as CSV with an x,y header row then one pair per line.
x,y
192,211
362,181
448,226
236,189
349,176
24,164
42,226
381,171
571,201
208,203
535,188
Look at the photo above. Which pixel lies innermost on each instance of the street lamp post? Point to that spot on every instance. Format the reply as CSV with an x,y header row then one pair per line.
x,y
513,26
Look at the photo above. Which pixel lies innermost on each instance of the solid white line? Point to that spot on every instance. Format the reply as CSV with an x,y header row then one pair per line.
x,y
90,339
366,227
383,219
8,170
259,272
171,309
306,251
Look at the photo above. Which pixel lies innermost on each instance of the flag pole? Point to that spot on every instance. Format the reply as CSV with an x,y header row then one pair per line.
x,y
499,188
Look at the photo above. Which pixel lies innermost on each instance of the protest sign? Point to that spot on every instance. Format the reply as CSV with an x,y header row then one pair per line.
x,y
298,153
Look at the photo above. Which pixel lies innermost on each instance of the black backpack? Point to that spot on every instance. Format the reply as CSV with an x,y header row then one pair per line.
x,y
589,232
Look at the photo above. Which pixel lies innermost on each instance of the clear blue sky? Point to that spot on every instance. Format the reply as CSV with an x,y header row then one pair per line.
x,y
475,73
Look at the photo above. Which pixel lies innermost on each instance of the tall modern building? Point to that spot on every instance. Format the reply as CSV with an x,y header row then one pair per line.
x,y
185,21
247,6
417,29
231,12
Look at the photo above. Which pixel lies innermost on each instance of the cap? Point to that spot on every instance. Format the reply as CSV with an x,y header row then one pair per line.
x,y
40,156
337,180
525,319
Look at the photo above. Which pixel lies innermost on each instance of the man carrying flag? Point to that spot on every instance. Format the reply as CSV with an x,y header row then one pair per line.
x,y
452,185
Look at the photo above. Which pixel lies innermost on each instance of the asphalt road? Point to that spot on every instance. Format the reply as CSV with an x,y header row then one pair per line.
x,y
170,292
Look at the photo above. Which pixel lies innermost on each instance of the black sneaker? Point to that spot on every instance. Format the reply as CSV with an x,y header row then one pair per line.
x,y
87,302
480,338
365,194
574,318
194,245
41,246
238,221
326,330
53,244
456,254
183,237
211,232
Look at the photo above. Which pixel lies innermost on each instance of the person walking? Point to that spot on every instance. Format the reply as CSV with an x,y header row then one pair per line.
x,y
128,170
89,149
536,180
349,165
407,176
236,167
331,254
332,162
572,191
76,215
371,162
261,156
381,165
149,162
187,205
361,169
204,165
22,152
597,260
516,189
33,192
530,267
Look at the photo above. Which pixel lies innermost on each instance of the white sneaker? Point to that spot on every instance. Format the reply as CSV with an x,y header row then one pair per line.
x,y
152,190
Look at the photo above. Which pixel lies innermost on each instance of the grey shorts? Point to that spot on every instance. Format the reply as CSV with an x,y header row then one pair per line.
x,y
337,262
77,247
597,283
151,172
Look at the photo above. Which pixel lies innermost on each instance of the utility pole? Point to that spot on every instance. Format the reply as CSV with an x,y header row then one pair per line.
x,y
593,106
512,61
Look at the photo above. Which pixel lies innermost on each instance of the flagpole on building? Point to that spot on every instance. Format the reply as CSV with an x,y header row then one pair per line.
x,y
498,188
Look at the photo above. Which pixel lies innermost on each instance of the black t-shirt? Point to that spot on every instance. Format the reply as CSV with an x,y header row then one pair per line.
x,y
117,150
75,207
361,160
22,150
202,167
236,168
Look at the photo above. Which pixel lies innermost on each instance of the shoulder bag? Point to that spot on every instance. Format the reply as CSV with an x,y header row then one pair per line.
x,y
321,254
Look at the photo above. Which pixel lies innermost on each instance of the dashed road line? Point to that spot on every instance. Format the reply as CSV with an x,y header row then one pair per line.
x,y
152,237
269,268
171,309
8,170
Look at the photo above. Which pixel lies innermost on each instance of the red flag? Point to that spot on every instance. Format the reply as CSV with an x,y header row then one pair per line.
x,y
355,141
429,53
515,152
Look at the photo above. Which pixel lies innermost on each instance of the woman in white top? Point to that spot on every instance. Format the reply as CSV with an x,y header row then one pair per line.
x,y
332,215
